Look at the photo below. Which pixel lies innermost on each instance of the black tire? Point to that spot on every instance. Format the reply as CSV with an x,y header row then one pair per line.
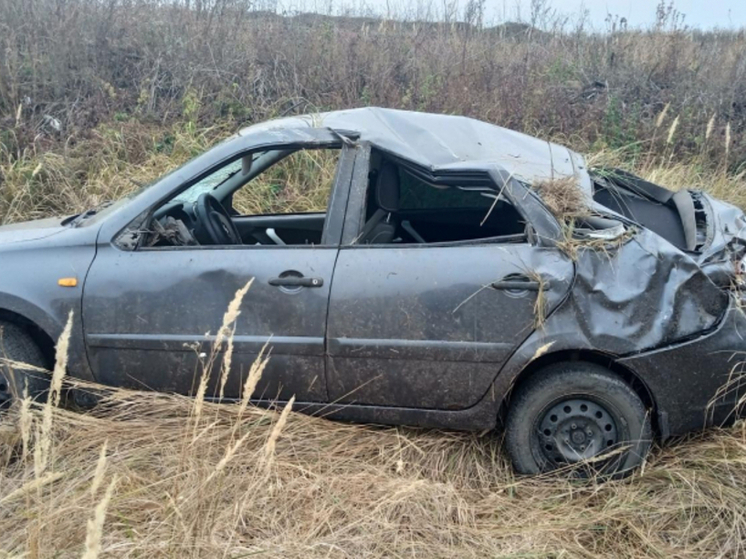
x,y
577,412
19,347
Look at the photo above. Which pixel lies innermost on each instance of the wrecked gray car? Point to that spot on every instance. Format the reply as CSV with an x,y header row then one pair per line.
x,y
461,275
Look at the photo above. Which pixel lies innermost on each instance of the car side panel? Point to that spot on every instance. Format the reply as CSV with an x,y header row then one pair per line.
x,y
634,302
421,326
699,382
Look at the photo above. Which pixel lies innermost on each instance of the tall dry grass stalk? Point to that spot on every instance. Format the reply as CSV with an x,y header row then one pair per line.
x,y
270,447
95,525
225,367
662,115
253,378
199,397
230,316
229,454
223,342
25,423
710,126
226,332
42,449
98,475
672,130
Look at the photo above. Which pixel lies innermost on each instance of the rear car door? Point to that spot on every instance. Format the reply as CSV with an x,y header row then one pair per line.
x,y
148,312
428,323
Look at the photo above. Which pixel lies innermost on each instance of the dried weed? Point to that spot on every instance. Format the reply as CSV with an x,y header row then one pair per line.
x,y
349,491
563,197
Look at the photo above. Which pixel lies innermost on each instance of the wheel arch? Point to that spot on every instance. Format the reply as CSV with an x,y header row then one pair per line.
x,y
38,334
589,356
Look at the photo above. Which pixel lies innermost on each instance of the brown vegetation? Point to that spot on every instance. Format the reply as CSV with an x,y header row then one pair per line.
x,y
299,183
86,63
563,197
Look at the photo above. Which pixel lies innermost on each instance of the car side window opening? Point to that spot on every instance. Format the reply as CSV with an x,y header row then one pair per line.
x,y
275,197
401,208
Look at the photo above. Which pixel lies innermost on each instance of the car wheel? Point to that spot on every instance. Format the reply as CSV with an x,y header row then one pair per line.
x,y
576,412
20,349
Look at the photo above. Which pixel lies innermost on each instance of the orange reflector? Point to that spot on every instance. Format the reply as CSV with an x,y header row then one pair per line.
x,y
67,282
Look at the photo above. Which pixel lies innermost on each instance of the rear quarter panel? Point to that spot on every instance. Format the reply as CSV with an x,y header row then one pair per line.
x,y
635,303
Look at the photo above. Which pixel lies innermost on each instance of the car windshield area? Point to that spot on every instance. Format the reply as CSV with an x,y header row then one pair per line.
x,y
209,183
271,197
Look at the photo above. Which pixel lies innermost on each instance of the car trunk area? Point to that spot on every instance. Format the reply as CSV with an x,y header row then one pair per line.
x,y
679,217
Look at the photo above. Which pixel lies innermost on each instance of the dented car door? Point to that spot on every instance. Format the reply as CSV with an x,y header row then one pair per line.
x,y
430,327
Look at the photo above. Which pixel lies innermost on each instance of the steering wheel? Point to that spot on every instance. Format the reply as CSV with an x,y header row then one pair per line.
x,y
214,222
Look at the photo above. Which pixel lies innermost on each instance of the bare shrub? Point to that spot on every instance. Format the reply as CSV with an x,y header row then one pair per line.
x,y
66,68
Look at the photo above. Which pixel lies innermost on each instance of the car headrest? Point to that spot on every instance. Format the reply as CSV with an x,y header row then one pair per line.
x,y
387,187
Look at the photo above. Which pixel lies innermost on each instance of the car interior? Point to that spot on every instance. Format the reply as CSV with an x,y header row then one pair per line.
x,y
209,212
401,208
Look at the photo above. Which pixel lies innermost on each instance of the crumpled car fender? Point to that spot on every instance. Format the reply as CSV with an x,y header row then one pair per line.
x,y
639,296
642,295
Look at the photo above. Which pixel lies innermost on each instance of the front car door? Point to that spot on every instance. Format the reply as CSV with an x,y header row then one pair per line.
x,y
428,319
151,313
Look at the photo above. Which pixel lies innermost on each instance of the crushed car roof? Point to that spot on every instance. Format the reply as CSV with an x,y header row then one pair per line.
x,y
445,142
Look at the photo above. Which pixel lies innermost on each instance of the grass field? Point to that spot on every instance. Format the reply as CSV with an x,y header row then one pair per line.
x,y
149,475
100,98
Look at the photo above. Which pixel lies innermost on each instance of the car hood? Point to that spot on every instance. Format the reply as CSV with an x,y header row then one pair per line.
x,y
31,230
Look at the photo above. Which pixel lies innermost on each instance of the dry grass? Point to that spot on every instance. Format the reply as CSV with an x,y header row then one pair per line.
x,y
299,183
335,490
115,160
119,158
237,481
540,305
569,205
730,187
563,197
65,71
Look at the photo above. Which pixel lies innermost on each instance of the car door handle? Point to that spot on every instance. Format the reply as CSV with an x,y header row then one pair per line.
x,y
517,284
292,281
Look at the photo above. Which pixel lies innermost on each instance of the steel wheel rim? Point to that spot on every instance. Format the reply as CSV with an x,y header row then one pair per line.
x,y
575,429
